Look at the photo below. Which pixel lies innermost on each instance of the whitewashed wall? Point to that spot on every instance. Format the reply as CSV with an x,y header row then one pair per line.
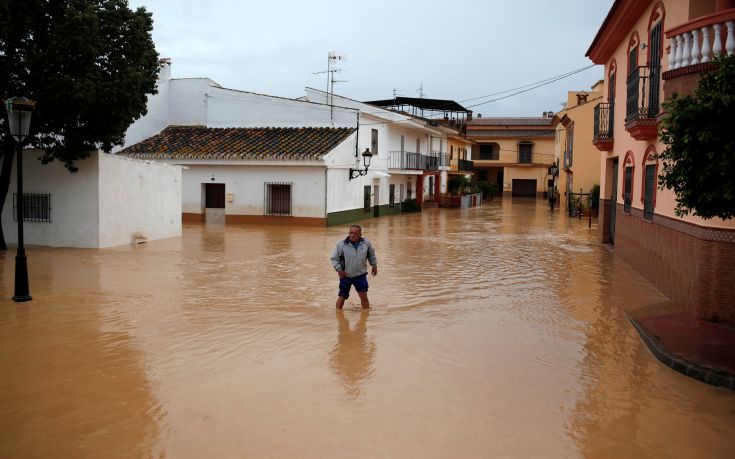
x,y
105,203
246,182
138,198
202,102
229,108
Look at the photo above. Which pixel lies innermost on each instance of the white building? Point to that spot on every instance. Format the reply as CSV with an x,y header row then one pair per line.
x,y
250,157
411,151
109,201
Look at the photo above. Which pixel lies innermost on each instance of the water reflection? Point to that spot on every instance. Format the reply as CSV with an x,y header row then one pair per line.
x,y
353,356
496,325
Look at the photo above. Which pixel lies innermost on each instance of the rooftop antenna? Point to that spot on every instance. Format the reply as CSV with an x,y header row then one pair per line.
x,y
332,58
421,90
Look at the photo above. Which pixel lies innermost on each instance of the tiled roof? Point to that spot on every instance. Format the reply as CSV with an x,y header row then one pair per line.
x,y
198,142
540,121
481,133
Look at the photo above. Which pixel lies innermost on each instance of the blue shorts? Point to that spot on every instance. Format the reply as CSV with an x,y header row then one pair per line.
x,y
360,283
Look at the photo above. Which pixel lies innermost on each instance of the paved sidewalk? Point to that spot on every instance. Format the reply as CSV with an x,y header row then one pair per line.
x,y
697,348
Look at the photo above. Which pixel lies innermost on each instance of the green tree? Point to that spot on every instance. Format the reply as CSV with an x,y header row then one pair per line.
x,y
88,64
699,159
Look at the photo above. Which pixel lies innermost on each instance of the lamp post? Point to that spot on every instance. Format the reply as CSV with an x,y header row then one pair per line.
x,y
553,170
19,121
366,157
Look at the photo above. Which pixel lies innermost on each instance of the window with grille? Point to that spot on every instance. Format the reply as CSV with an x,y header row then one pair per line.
x,y
374,142
278,199
628,189
649,191
36,207
525,152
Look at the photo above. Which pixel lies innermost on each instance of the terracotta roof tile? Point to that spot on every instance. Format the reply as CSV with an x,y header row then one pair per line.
x,y
539,121
484,133
198,142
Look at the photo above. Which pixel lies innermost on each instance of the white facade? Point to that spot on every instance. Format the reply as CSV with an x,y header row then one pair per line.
x,y
202,102
109,201
396,132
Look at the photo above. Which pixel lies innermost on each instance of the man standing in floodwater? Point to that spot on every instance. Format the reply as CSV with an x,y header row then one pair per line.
x,y
350,259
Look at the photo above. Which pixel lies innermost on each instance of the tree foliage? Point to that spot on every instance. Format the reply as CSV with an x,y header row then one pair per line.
x,y
699,159
88,64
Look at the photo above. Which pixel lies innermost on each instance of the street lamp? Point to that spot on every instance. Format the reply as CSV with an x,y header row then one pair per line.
x,y
366,157
553,171
19,121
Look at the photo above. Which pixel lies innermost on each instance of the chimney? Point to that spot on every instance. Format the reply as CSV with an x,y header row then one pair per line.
x,y
164,73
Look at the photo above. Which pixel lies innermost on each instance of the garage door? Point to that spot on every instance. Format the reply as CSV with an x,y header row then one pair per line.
x,y
524,188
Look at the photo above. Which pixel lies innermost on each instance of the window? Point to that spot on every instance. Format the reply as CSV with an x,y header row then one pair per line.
x,y
392,197
649,192
490,151
278,199
628,189
451,152
525,152
569,147
366,199
36,207
418,145
374,142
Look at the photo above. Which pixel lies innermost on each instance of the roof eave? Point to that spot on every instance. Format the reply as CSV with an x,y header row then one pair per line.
x,y
617,24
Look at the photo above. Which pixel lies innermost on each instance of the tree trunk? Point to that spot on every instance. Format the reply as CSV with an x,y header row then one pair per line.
x,y
8,148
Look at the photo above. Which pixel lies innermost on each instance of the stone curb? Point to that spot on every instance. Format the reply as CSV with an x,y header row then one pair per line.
x,y
671,360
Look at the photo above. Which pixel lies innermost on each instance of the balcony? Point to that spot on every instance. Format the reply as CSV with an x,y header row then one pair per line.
x,y
603,128
406,160
693,46
461,165
642,105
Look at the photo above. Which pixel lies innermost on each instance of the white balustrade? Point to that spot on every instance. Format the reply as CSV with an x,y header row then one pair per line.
x,y
686,49
706,50
679,50
695,48
717,47
672,54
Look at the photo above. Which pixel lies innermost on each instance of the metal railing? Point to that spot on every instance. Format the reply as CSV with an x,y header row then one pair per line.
x,y
643,93
465,165
603,128
407,160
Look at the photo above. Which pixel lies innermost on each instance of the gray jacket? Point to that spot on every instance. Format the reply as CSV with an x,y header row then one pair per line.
x,y
351,260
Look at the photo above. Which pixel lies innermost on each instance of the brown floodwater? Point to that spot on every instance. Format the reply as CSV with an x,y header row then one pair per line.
x,y
497,331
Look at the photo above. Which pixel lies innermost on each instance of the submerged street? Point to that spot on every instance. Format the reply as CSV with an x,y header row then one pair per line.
x,y
497,331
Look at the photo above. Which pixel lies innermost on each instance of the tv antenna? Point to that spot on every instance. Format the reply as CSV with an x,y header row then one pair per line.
x,y
332,58
421,90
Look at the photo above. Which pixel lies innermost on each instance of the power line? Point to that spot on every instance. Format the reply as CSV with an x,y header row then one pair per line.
x,y
532,88
563,75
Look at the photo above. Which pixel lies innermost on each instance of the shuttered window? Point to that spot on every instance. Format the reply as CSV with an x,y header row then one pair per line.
x,y
650,190
628,189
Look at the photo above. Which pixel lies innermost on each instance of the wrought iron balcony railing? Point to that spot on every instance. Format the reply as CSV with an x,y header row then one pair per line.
x,y
643,93
603,128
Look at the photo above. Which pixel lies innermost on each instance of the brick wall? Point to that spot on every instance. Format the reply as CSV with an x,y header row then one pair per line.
x,y
685,80
692,265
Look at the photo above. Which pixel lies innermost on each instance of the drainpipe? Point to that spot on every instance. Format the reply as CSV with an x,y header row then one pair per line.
x,y
326,188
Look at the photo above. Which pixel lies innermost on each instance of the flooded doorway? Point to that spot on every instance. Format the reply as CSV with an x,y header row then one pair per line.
x,y
214,203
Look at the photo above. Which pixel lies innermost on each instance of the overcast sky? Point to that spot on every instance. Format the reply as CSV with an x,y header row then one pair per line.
x,y
455,49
